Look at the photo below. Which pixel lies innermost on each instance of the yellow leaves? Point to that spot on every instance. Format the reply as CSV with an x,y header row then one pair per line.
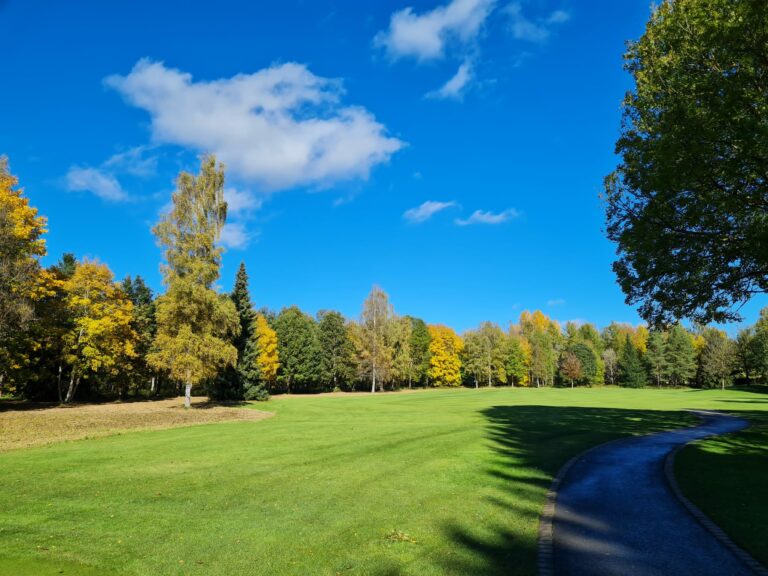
x,y
22,227
444,361
267,359
639,338
101,336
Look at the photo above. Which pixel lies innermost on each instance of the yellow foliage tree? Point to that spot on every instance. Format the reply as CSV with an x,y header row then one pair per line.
x,y
21,246
267,357
444,361
101,338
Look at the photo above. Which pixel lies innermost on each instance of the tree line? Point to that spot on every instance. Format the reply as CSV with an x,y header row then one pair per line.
x,y
72,331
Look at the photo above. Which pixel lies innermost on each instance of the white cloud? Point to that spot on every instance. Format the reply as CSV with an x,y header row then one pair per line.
x,y
279,127
134,161
425,36
454,88
483,217
96,181
539,30
234,235
240,203
426,210
555,302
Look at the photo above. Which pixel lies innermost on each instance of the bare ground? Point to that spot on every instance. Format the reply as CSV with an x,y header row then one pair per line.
x,y
24,425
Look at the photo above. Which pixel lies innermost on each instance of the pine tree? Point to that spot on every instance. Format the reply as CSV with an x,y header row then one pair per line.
x,y
631,370
656,357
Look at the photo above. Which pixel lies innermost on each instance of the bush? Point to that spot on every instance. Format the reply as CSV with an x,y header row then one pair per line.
x,y
257,393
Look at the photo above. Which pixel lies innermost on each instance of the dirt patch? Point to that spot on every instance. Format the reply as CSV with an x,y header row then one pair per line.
x,y
26,425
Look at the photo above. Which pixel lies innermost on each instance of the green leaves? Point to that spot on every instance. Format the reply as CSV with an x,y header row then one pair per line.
x,y
688,204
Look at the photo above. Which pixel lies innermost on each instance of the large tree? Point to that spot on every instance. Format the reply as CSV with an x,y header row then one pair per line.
x,y
419,353
194,322
688,204
680,356
444,360
299,349
21,246
337,366
373,347
101,339
717,359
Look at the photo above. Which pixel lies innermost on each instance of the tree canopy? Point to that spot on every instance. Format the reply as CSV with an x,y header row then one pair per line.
x,y
688,204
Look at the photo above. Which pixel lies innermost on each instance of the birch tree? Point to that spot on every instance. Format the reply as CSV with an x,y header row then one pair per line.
x,y
194,322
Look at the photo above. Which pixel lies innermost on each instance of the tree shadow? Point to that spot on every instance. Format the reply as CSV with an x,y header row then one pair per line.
x,y
530,444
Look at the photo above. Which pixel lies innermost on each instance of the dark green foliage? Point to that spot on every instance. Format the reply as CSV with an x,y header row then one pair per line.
x,y
717,361
299,350
688,204
145,325
680,356
256,393
419,343
631,369
337,362
656,358
588,360
232,382
242,299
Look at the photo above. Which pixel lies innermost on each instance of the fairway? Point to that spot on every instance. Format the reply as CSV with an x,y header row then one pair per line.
x,y
435,482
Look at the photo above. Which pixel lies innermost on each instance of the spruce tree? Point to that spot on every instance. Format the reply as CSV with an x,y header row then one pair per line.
x,y
656,359
631,370
337,368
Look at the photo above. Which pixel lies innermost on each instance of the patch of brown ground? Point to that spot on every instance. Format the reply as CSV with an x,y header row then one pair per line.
x,y
26,425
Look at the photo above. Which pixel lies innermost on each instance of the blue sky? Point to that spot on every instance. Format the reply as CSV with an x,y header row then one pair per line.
x,y
451,151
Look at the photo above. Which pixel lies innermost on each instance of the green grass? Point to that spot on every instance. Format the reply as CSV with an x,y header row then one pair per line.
x,y
727,477
439,482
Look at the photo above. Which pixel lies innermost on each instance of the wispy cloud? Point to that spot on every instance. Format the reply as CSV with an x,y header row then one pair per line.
x,y
137,161
95,181
241,203
533,30
555,302
484,217
103,180
278,128
234,235
426,210
425,36
455,87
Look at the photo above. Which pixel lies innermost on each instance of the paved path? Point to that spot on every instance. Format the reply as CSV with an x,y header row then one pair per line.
x,y
616,515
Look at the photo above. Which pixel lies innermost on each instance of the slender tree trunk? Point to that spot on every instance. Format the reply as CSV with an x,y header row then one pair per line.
x,y
722,383
74,381
476,386
188,395
373,379
571,383
58,385
152,385
2,377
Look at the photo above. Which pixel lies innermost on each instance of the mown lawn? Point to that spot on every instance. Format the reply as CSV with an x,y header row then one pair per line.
x,y
727,477
436,482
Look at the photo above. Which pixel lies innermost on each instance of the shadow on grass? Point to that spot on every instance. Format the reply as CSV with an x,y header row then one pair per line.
x,y
531,443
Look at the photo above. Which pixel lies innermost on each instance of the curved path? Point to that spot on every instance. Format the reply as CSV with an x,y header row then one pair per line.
x,y
616,514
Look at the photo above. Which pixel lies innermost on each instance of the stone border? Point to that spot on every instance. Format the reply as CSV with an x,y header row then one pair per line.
x,y
703,519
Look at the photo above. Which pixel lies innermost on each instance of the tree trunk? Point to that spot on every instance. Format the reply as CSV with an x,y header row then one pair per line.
x,y
188,395
58,386
152,385
373,380
74,381
722,383
571,383
476,386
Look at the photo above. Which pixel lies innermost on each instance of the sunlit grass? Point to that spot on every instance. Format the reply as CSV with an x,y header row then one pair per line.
x,y
428,483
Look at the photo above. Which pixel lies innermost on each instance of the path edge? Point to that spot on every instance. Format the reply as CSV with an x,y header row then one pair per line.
x,y
545,540
669,472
